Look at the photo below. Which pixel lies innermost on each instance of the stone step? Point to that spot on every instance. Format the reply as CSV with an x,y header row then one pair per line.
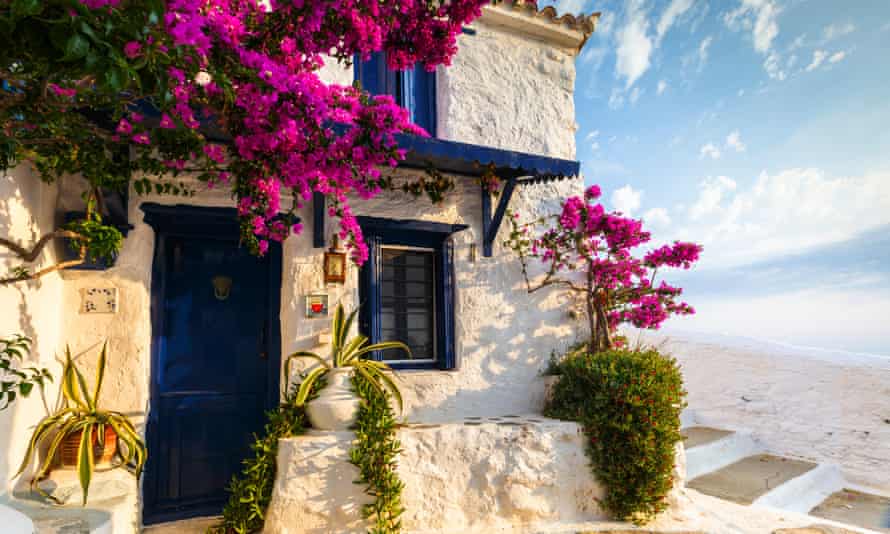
x,y
195,525
750,478
710,449
802,493
857,508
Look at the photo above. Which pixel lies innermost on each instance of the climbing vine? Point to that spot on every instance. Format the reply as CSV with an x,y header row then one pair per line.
x,y
374,453
251,491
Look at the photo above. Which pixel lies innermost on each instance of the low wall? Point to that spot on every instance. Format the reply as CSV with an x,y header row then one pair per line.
x,y
481,474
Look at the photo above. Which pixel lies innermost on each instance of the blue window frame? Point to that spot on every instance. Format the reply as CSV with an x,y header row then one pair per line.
x,y
414,90
407,290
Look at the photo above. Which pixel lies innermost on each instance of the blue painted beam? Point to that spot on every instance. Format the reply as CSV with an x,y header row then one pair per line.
x,y
494,225
318,217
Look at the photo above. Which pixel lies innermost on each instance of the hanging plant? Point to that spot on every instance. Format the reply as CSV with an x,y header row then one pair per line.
x,y
374,453
435,185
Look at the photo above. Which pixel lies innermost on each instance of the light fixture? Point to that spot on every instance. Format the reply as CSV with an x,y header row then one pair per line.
x,y
334,264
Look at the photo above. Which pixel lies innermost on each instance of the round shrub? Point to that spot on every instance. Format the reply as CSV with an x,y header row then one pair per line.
x,y
628,403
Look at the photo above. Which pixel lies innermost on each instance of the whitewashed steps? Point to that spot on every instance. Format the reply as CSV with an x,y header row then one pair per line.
x,y
858,508
709,449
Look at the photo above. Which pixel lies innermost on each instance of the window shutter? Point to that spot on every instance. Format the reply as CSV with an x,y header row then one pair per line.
x,y
447,336
370,320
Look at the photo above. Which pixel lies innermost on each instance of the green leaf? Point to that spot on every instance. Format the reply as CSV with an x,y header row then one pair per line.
x,y
26,8
100,372
76,47
85,461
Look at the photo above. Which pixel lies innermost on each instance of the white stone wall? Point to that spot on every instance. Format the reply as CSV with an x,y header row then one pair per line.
x,y
27,211
509,91
472,476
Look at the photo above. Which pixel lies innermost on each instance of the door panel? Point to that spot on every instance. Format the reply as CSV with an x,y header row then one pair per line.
x,y
211,377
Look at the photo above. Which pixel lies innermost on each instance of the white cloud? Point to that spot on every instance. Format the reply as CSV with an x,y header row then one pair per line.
x,y
758,17
591,138
703,51
784,213
818,58
674,10
634,47
837,56
594,56
657,217
711,192
626,200
662,87
772,66
616,98
836,30
821,56
734,141
571,6
635,94
709,150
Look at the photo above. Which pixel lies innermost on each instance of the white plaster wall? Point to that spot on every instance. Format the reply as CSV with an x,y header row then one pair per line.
x,y
28,308
509,91
473,476
503,335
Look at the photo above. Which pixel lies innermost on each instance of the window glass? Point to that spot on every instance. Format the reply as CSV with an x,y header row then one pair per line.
x,y
407,307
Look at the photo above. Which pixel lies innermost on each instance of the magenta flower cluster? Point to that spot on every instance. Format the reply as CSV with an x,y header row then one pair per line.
x,y
591,251
250,68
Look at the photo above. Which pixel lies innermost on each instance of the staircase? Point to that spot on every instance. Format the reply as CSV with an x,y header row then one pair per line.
x,y
733,466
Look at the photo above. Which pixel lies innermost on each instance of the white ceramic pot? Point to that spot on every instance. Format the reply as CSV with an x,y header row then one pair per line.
x,y
336,406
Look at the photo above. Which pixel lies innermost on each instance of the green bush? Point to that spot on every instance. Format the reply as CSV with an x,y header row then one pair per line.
x,y
629,404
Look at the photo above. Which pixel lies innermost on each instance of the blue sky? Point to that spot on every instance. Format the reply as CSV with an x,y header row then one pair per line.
x,y
760,128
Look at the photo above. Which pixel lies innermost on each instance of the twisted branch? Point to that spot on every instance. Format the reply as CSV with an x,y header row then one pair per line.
x,y
29,256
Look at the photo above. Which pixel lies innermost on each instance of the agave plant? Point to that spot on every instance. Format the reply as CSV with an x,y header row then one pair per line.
x,y
352,353
80,412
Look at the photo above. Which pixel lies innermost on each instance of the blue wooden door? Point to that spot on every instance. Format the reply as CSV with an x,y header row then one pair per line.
x,y
212,375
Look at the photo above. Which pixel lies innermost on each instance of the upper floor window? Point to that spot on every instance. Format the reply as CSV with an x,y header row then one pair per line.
x,y
414,90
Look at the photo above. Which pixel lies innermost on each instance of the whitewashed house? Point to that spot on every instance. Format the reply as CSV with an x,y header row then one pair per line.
x,y
198,328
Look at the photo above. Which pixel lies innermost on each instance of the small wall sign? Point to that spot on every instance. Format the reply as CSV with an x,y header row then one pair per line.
x,y
316,306
98,300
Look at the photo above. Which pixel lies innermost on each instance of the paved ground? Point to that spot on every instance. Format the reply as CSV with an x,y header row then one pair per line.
x,y
856,508
701,435
189,526
749,478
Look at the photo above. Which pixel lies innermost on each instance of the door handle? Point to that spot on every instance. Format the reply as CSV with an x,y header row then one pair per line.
x,y
264,355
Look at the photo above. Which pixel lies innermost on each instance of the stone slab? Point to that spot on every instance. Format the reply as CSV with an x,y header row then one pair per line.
x,y
744,481
856,508
702,435
196,525
815,529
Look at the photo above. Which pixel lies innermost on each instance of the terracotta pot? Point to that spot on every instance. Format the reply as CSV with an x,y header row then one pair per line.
x,y
336,406
67,452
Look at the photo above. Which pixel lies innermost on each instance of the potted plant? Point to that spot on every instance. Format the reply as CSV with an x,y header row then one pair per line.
x,y
82,434
336,406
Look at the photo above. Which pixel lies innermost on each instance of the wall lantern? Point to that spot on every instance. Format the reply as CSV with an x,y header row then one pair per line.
x,y
334,264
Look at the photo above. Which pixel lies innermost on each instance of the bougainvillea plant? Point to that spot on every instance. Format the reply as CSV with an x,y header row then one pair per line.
x,y
591,252
126,91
